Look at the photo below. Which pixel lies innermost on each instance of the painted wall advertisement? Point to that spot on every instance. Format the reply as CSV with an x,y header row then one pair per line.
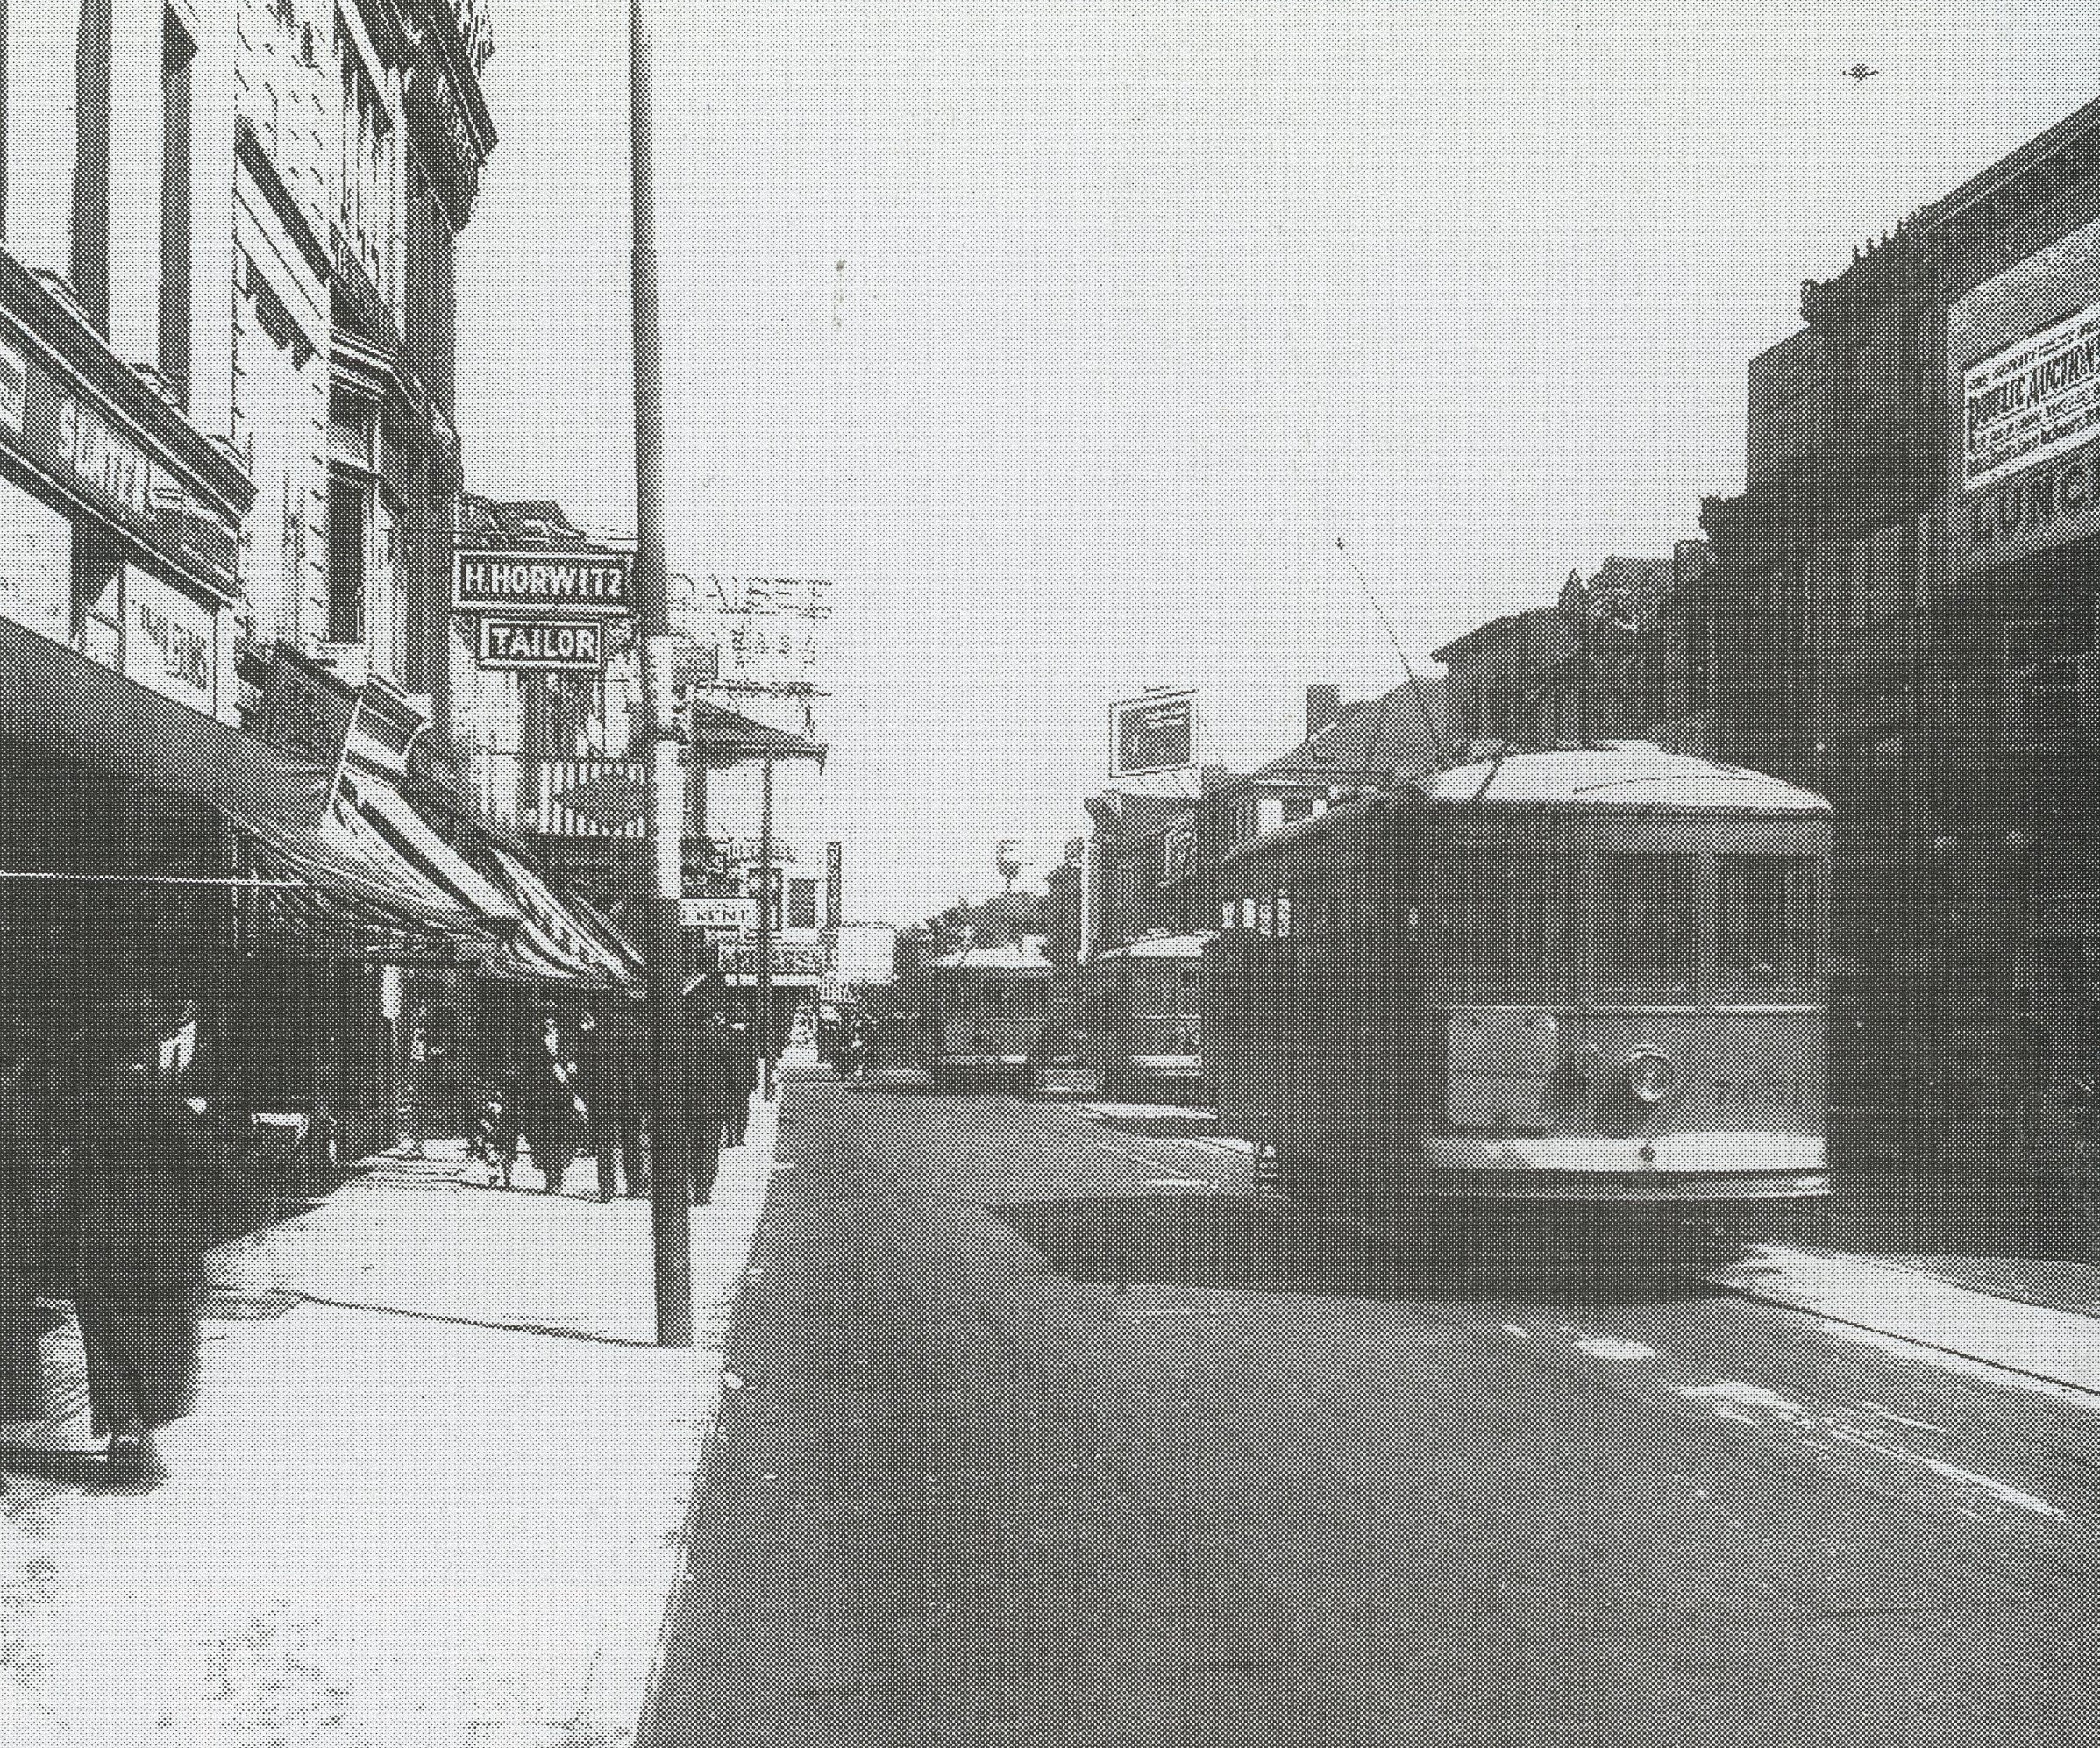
x,y
762,634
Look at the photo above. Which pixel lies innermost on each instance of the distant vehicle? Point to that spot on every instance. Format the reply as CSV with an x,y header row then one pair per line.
x,y
1141,1005
978,1017
1585,979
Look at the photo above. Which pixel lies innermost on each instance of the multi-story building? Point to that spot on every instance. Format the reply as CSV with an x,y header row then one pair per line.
x,y
227,473
1590,667
1900,611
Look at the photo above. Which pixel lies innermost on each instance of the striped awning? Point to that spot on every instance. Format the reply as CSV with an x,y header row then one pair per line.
x,y
557,939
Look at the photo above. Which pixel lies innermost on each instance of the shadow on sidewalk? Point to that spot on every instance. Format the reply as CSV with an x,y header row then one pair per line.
x,y
67,1468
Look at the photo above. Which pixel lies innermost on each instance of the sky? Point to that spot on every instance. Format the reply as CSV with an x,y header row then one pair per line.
x,y
1066,341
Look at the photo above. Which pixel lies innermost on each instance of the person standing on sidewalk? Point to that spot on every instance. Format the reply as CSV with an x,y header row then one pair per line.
x,y
551,1110
708,1082
608,1065
741,1069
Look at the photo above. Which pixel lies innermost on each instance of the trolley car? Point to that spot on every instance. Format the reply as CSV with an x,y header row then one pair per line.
x,y
980,1016
1593,978
1143,1006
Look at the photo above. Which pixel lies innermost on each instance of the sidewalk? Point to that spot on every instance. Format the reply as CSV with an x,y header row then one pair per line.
x,y
433,1492
2003,1274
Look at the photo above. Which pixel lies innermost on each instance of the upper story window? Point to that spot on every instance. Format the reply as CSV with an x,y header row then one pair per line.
x,y
1881,573
366,207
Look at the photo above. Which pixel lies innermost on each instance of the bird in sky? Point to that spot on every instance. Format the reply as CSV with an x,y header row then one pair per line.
x,y
1860,74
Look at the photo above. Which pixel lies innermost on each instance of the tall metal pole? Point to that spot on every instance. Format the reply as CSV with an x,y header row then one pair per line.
x,y
766,885
670,1218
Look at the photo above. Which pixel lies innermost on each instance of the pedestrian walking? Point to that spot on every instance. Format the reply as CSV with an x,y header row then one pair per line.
x,y
136,1173
707,1081
608,1079
551,1112
741,1072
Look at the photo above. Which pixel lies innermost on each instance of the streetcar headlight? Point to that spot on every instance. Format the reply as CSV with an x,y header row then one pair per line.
x,y
1648,1076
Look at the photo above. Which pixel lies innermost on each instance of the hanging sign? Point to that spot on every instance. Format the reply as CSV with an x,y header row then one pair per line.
x,y
544,645
567,581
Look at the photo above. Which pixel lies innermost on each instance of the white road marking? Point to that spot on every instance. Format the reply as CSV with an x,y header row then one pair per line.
x,y
1605,1349
1745,1396
1997,1489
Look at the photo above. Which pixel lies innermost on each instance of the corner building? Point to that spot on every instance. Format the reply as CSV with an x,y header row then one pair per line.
x,y
1900,612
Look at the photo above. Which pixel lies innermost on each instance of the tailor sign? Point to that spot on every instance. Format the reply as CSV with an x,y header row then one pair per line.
x,y
568,581
540,645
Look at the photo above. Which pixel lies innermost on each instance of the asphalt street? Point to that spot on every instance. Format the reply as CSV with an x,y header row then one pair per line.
x,y
1040,1428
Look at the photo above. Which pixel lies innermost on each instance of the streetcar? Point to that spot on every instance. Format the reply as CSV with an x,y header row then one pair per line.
x,y
1590,978
1141,1008
981,1016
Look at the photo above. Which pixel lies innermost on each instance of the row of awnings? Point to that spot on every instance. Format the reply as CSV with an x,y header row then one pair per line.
x,y
346,854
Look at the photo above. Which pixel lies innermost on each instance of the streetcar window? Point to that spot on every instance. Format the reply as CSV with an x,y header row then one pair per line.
x,y
1768,930
1647,928
1283,913
1230,912
1508,928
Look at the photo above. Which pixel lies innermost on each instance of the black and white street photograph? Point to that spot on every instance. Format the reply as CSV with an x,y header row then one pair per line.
x,y
909,876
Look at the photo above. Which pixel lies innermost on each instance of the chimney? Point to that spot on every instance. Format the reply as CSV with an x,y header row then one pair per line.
x,y
1323,708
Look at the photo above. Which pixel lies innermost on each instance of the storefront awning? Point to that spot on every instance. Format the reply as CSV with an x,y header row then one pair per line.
x,y
57,701
557,939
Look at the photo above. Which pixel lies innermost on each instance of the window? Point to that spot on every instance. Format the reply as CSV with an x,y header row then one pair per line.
x,y
43,135
366,179
802,901
1646,927
2041,688
349,503
1767,925
178,54
1881,574
90,263
1508,926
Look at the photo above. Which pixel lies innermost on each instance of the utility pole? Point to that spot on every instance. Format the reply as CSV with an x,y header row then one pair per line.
x,y
766,884
670,1218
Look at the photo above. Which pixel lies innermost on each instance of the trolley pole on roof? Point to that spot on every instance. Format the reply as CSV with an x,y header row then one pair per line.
x,y
671,1217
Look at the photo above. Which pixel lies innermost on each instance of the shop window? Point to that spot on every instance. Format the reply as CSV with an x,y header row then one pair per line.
x,y
1646,933
2041,689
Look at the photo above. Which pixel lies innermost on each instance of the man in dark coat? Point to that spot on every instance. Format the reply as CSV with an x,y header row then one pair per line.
x,y
139,1169
707,1079
609,1078
551,1110
742,1070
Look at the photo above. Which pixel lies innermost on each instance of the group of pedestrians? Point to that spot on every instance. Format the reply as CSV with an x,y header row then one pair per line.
x,y
583,1079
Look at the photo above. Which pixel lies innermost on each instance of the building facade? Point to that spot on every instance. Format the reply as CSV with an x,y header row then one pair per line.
x,y
1900,612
